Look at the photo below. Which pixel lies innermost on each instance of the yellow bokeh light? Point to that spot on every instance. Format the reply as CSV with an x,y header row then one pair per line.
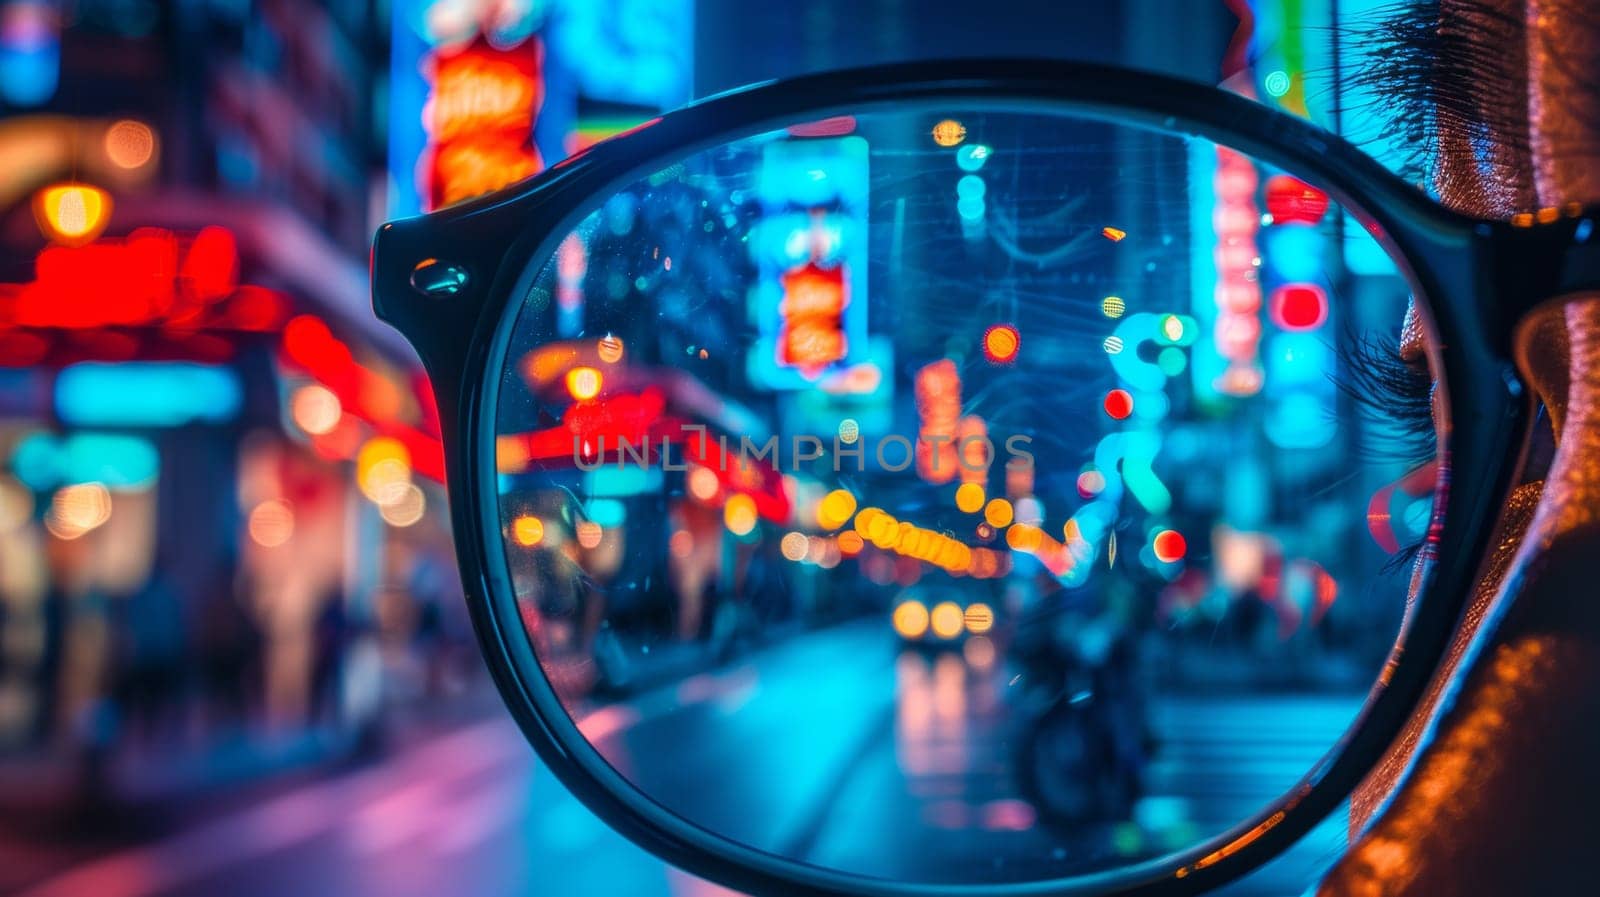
x,y
739,514
383,469
1113,306
1172,327
946,619
998,513
910,619
949,132
884,531
794,546
270,523
72,214
315,409
583,383
835,509
130,144
979,618
969,498
527,530
75,510
406,509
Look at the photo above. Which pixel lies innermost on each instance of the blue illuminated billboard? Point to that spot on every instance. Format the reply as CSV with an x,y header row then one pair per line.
x,y
810,248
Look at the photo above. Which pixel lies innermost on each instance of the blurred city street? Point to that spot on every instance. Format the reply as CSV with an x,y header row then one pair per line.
x,y
1138,562
467,809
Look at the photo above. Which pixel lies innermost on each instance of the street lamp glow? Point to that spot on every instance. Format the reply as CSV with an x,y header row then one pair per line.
x,y
72,214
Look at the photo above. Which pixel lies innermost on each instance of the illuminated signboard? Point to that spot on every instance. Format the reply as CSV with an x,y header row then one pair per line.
x,y
628,60
1225,260
810,303
938,392
638,52
612,64
479,118
45,461
151,295
811,335
146,394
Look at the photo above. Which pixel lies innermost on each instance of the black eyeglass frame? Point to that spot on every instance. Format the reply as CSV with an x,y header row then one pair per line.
x,y
451,283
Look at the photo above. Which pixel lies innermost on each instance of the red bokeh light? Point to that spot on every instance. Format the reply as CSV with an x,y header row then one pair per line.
x,y
1300,306
1119,404
1169,546
1293,201
210,269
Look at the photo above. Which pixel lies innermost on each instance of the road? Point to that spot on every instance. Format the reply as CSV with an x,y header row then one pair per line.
x,y
906,779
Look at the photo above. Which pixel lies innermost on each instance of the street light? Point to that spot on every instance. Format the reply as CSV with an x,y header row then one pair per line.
x,y
72,214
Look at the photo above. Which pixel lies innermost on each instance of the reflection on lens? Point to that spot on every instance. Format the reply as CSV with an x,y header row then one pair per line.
x,y
966,497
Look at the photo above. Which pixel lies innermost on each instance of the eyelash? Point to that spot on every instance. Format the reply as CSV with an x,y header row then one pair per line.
x,y
1378,380
1375,377
1421,73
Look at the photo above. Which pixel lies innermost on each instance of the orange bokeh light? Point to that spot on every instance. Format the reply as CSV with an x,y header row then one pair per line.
x,y
1001,344
851,543
998,513
949,132
130,144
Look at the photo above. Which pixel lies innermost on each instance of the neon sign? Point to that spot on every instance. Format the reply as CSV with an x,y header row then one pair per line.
x,y
479,117
938,391
1238,289
152,295
814,300
810,301
147,394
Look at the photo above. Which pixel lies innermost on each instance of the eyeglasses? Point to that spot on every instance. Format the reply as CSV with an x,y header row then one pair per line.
x,y
973,477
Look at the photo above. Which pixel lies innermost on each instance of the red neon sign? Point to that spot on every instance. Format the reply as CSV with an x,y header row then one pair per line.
x,y
480,118
1238,291
152,295
149,277
812,336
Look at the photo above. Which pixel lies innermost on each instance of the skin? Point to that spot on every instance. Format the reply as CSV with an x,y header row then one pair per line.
x,y
1492,788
